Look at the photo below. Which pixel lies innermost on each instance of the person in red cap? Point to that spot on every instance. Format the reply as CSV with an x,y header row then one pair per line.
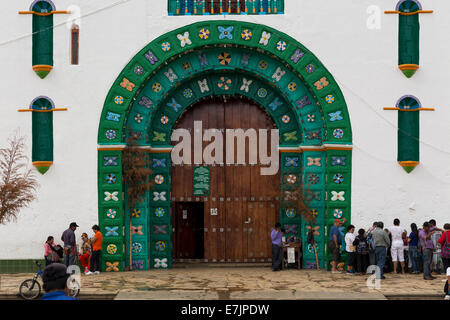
x,y
335,244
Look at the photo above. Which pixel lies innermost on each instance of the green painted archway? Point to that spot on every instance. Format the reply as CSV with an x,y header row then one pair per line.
x,y
226,58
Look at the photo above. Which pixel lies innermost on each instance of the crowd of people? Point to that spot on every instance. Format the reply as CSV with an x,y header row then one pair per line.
x,y
425,250
88,253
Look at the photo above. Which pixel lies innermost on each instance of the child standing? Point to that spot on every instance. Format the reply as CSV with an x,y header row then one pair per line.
x,y
350,248
86,250
362,252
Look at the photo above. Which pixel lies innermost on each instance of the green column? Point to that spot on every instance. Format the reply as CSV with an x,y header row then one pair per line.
x,y
408,44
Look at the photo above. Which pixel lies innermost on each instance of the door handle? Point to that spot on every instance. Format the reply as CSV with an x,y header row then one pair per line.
x,y
248,221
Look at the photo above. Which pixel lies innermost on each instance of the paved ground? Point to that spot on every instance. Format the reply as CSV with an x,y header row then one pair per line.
x,y
241,283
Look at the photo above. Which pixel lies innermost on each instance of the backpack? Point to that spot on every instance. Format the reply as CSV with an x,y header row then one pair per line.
x,y
445,249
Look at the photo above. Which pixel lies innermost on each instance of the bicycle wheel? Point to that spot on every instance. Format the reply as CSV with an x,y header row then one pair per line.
x,y
30,289
74,288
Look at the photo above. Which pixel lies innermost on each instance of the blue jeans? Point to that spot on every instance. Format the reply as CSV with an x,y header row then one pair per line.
x,y
427,260
412,254
380,253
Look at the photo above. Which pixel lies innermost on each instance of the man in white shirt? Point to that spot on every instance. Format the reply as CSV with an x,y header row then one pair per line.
x,y
397,233
350,248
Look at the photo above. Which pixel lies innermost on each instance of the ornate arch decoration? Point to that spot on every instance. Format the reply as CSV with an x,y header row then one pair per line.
x,y
222,58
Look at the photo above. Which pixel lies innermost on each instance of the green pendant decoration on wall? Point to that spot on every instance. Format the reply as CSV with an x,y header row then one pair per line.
x,y
42,128
201,181
222,58
42,11
408,35
408,140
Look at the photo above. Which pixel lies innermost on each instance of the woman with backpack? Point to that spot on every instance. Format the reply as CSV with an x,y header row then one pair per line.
x,y
362,252
413,249
445,253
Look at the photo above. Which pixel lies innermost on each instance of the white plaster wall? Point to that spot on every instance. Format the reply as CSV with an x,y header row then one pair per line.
x,y
363,61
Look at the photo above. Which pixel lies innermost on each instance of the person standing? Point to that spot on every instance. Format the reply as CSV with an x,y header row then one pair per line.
x,y
335,243
362,252
427,249
413,241
49,248
70,245
277,247
368,236
382,242
85,257
397,251
350,248
96,242
444,241
437,263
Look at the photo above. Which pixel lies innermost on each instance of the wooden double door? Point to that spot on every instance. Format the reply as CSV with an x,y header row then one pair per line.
x,y
242,206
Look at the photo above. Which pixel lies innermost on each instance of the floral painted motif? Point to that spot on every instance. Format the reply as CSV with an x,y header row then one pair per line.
x,y
338,161
157,196
146,102
110,161
338,213
265,38
184,39
111,249
310,68
136,213
314,212
322,83
203,85
329,99
291,228
138,264
159,163
204,33
203,59
159,136
281,45
160,263
174,105
292,86
291,162
338,133
285,118
313,178
224,58
110,267
312,135
159,179
263,64
136,230
310,117
291,179
171,75
226,33
275,104
245,59
335,116
278,74
127,84
138,70
111,134
160,246
113,116
160,212
288,136
160,229
111,213
164,119
111,178
303,102
165,46
111,231
138,118
151,57
136,247
314,162
118,100
246,84
186,66
156,87
298,54
337,195
246,34
290,213
262,93
338,178
224,83
187,93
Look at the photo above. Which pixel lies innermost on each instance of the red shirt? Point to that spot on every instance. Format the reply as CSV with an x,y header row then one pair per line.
x,y
443,237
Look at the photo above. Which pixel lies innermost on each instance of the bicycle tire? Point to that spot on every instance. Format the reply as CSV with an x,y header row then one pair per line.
x,y
28,286
76,291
